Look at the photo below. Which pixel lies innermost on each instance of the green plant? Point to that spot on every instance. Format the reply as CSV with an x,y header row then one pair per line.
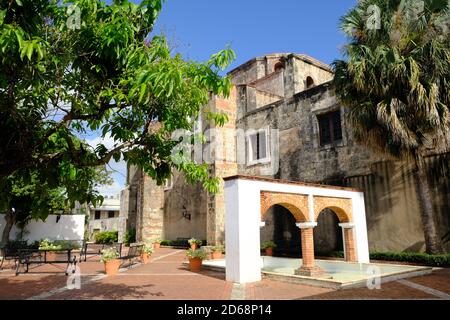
x,y
47,244
195,241
109,254
148,249
437,260
167,243
199,254
157,241
268,244
130,237
218,248
106,237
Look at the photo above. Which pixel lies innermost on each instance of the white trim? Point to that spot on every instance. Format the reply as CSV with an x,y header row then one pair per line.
x,y
347,225
249,150
306,225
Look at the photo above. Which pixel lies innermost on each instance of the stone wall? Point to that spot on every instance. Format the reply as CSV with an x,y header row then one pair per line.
x,y
190,200
391,204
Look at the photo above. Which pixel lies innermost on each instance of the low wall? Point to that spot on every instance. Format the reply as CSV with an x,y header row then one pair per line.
x,y
69,227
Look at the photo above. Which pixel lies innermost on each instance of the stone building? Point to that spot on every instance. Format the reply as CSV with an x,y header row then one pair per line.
x,y
285,123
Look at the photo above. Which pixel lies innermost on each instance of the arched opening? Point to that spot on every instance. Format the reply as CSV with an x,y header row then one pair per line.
x,y
278,66
328,239
280,227
309,83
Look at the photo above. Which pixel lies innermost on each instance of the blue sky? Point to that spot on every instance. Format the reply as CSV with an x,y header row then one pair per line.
x,y
199,28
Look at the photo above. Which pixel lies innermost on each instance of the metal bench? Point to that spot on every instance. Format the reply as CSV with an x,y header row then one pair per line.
x,y
95,249
11,251
26,257
134,251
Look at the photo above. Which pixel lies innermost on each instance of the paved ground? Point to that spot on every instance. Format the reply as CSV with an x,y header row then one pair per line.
x,y
166,277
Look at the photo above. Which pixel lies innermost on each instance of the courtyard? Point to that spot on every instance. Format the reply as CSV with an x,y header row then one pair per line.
x,y
167,277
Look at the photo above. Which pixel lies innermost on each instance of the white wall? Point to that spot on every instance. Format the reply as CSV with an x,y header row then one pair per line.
x,y
69,227
243,218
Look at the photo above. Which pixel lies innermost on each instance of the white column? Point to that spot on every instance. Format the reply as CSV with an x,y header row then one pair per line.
x,y
242,231
360,228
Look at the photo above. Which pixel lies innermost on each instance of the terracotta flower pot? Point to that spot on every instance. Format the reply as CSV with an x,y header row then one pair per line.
x,y
50,256
269,252
194,246
195,264
145,257
157,245
112,267
215,255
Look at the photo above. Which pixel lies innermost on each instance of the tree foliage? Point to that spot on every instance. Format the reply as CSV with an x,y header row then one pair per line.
x,y
396,86
69,68
396,82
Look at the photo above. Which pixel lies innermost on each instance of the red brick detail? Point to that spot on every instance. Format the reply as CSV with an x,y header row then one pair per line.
x,y
297,204
349,242
307,247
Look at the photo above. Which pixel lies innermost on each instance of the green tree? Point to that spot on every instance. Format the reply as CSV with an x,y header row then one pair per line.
x,y
396,85
25,196
86,65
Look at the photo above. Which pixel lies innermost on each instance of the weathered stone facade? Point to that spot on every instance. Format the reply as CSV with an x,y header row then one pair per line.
x,y
285,95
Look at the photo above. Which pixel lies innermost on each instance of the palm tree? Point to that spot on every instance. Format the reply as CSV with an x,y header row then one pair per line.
x,y
395,86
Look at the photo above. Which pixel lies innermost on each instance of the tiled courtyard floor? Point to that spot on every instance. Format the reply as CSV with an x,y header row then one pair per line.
x,y
166,277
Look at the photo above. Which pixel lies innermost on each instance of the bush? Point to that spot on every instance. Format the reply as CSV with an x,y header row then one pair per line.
x,y
268,244
439,260
109,254
129,237
195,241
168,243
106,237
199,253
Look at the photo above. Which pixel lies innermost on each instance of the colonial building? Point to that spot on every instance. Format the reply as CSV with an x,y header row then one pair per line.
x,y
105,217
285,123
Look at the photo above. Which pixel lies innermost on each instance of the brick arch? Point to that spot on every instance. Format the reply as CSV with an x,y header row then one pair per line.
x,y
296,204
341,207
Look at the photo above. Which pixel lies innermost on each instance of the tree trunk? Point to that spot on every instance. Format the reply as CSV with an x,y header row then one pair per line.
x,y
432,240
10,219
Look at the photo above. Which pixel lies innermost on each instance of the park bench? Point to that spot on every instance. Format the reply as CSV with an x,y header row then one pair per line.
x,y
11,251
95,249
134,251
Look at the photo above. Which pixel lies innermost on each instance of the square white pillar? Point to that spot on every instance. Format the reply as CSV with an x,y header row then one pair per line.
x,y
360,228
242,232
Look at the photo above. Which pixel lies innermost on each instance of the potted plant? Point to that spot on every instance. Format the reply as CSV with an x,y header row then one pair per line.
x,y
109,258
216,252
269,246
50,249
157,243
196,258
194,243
145,256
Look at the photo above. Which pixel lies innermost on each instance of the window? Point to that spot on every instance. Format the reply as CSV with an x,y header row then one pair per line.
x,y
258,147
111,214
330,129
97,214
309,83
